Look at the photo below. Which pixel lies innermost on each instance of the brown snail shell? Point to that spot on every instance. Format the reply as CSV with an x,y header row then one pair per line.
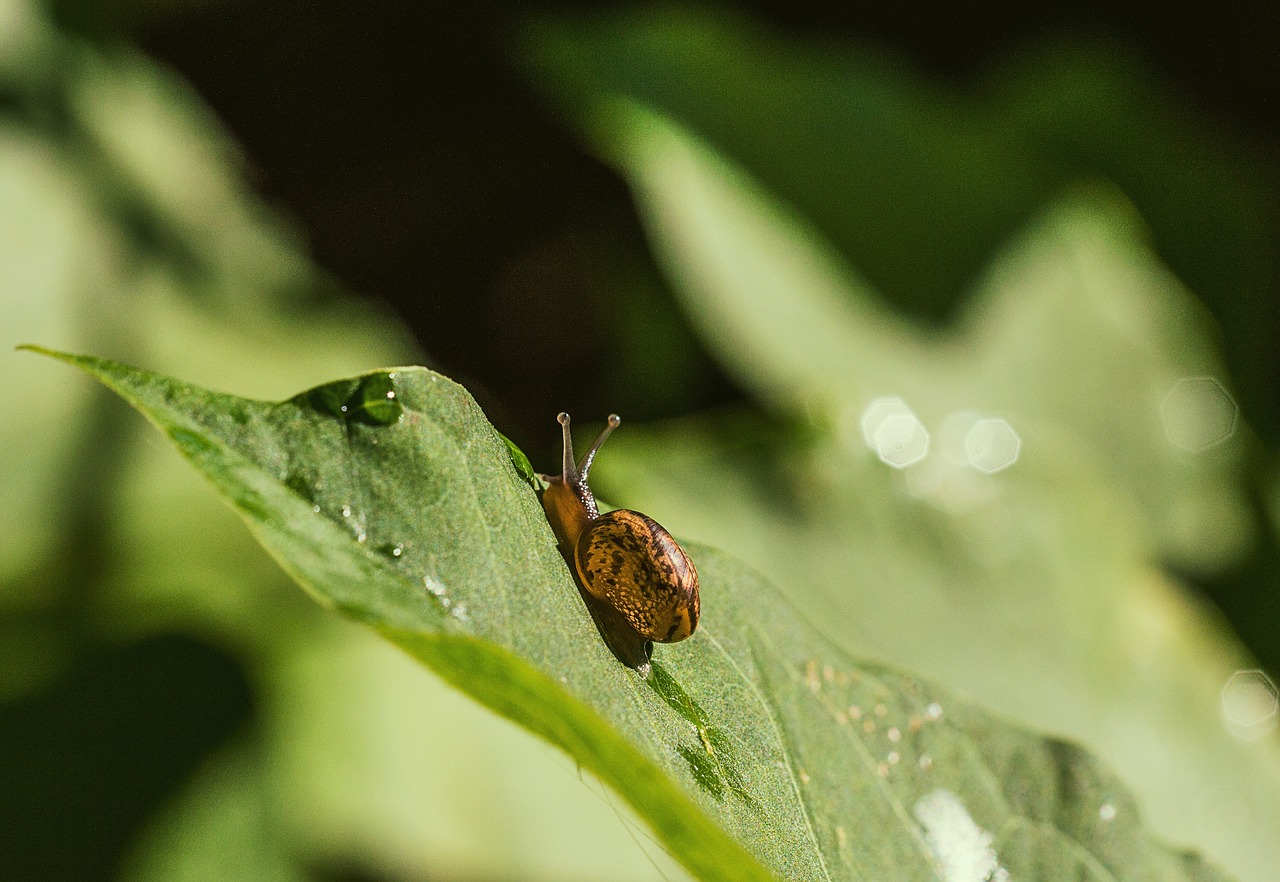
x,y
623,559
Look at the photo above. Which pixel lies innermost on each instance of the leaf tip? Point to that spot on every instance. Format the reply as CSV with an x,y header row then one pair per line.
x,y
44,350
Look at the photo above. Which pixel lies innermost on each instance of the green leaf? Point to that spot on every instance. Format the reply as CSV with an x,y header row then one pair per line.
x,y
1075,339
757,732
916,180
1075,305
126,227
1035,585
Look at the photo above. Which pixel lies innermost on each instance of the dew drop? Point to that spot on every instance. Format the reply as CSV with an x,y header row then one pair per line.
x,y
1107,812
933,711
926,762
391,551
893,757
894,734
375,402
327,399
346,511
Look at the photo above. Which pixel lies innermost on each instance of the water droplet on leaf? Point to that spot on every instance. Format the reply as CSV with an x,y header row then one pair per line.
x,y
375,401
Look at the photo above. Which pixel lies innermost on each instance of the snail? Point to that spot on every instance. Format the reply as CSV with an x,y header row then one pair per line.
x,y
637,581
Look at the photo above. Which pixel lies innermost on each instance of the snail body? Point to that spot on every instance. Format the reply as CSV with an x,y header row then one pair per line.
x,y
623,558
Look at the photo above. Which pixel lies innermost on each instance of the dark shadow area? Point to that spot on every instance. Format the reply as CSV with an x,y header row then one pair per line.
x,y
428,175
86,762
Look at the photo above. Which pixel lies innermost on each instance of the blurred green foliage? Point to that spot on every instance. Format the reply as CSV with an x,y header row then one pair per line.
x,y
938,238
918,185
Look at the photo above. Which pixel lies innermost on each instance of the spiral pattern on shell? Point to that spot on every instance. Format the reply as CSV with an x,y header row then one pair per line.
x,y
629,561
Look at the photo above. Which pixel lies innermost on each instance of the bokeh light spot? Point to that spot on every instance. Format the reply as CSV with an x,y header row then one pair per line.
x,y
875,413
1198,413
1250,705
992,445
894,433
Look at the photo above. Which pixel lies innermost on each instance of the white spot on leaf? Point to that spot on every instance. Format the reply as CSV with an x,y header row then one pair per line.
x,y
961,848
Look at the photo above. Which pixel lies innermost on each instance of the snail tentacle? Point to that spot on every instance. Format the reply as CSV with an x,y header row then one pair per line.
x,y
623,559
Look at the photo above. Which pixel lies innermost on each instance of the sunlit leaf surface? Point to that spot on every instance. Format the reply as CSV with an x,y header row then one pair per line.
x,y
990,503
391,499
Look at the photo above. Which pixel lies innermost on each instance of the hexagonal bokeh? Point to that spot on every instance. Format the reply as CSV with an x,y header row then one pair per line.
x,y
992,445
876,413
1250,705
894,433
901,440
1198,413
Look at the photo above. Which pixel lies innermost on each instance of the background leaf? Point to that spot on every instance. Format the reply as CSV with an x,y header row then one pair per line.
x,y
916,181
413,519
1034,584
